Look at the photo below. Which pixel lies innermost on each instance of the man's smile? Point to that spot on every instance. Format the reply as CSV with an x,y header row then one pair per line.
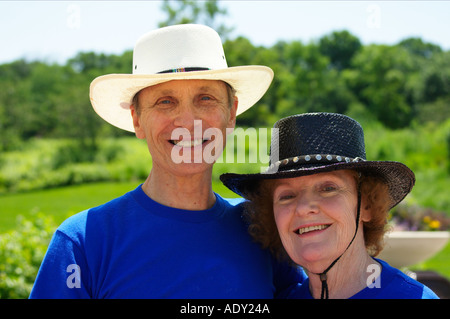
x,y
189,143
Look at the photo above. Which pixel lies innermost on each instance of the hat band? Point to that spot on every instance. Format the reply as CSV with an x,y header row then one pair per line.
x,y
179,70
312,159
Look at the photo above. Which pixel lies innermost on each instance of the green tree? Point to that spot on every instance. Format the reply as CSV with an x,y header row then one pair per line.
x,y
95,64
434,90
192,11
77,119
309,85
379,78
339,47
241,51
418,47
13,96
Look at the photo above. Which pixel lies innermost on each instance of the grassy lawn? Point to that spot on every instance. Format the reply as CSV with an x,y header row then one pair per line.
x,y
58,202
65,201
439,263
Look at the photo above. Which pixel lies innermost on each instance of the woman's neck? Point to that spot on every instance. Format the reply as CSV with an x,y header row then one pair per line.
x,y
347,277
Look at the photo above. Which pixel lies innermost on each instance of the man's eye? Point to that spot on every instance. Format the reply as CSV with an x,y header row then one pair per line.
x,y
164,102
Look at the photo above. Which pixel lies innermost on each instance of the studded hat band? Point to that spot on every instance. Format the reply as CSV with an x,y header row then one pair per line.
x,y
311,159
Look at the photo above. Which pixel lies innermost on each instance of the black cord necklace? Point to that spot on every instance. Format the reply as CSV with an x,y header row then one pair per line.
x,y
323,275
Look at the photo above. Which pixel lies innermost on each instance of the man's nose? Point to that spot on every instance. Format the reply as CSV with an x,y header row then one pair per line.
x,y
185,116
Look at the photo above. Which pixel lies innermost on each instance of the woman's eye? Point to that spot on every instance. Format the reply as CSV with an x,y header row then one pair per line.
x,y
329,188
285,197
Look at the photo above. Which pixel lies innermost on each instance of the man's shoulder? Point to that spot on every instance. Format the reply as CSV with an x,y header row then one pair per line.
x,y
234,201
231,206
76,224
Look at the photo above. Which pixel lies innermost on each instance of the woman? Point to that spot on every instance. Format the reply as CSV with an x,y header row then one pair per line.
x,y
306,205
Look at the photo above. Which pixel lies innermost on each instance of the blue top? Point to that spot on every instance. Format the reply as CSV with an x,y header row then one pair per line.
x,y
392,284
134,247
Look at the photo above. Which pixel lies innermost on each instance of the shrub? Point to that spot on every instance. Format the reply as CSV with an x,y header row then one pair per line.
x,y
21,253
50,163
415,218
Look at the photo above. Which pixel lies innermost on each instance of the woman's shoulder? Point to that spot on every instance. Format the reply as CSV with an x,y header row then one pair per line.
x,y
394,284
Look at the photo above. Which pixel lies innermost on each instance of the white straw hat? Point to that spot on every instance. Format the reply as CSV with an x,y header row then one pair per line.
x,y
179,52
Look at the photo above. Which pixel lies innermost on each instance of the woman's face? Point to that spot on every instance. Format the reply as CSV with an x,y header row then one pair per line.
x,y
316,216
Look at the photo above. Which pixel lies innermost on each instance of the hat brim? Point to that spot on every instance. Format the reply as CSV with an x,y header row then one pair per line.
x,y
111,95
398,177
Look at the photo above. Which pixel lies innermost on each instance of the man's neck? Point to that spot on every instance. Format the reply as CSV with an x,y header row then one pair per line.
x,y
191,192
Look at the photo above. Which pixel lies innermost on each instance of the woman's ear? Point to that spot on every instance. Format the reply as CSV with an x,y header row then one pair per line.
x,y
366,213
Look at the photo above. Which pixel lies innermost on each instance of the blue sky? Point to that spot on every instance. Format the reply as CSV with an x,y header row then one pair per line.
x,y
57,30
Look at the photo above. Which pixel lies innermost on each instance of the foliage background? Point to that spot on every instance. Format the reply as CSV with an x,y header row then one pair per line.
x,y
399,93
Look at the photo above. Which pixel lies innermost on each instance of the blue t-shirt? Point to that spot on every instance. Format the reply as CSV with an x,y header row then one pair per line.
x,y
134,247
392,284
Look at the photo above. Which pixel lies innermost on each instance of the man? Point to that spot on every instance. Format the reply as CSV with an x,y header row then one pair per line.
x,y
171,237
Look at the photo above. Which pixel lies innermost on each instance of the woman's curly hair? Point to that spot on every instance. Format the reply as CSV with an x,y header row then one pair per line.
x,y
258,211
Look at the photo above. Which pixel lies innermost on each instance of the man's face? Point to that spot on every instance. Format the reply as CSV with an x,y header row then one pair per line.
x,y
184,123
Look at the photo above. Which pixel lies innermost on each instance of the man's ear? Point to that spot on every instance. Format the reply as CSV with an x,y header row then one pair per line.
x,y
137,123
233,110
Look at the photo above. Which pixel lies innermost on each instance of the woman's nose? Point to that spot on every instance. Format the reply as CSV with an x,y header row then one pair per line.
x,y
306,204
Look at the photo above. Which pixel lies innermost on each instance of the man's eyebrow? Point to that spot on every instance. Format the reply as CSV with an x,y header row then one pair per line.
x,y
204,88
166,92
208,89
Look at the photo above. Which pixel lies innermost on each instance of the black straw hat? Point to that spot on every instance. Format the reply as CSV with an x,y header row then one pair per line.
x,y
312,143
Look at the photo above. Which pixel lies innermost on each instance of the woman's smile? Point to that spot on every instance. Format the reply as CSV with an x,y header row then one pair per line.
x,y
311,229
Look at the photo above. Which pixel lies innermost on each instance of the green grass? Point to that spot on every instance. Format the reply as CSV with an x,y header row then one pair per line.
x,y
59,202
65,201
439,263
